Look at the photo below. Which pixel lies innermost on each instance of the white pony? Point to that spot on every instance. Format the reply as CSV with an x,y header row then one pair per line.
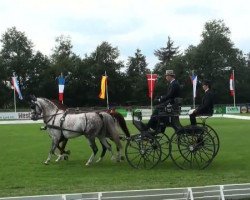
x,y
62,126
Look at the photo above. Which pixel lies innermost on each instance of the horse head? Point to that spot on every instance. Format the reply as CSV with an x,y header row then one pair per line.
x,y
36,109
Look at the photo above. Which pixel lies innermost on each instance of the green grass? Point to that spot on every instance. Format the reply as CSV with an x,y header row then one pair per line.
x,y
24,149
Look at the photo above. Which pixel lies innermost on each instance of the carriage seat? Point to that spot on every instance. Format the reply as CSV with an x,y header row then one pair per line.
x,y
204,117
137,121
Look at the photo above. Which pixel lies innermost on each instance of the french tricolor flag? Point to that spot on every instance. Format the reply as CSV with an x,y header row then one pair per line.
x,y
16,87
61,83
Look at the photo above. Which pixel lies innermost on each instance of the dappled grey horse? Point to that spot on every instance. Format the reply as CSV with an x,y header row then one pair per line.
x,y
63,126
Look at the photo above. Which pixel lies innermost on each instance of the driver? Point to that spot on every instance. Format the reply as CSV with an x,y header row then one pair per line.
x,y
172,93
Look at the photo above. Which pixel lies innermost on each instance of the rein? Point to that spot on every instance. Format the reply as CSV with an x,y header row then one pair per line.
x,y
62,129
51,116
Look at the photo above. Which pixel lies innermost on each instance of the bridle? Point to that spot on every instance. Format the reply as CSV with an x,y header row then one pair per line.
x,y
37,115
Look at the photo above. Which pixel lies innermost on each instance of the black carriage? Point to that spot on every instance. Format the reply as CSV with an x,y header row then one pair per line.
x,y
189,146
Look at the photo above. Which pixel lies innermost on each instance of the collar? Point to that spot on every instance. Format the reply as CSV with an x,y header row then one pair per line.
x,y
172,81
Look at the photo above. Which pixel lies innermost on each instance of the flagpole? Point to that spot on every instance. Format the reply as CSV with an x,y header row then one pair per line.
x,y
107,94
234,87
14,99
193,91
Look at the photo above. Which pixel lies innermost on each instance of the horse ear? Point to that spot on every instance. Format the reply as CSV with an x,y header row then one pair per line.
x,y
33,98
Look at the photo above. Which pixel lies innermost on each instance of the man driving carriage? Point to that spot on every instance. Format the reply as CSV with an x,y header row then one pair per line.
x,y
172,93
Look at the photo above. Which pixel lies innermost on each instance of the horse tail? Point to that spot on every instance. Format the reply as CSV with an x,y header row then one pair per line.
x,y
121,121
110,128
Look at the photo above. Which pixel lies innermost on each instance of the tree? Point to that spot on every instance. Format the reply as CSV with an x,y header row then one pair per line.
x,y
16,57
136,77
64,61
39,81
105,59
165,55
213,56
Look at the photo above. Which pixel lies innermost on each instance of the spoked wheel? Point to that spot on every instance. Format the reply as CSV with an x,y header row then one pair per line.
x,y
143,152
164,141
213,133
192,149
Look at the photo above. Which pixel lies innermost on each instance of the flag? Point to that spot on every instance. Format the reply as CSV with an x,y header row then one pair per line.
x,y
231,84
61,83
16,87
151,78
194,82
103,87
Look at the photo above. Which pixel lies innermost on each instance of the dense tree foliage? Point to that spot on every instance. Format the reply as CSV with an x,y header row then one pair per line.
x,y
136,78
213,58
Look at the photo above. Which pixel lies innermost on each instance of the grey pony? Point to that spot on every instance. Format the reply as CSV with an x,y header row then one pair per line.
x,y
59,126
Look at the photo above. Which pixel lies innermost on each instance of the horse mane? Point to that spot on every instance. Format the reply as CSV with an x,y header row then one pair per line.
x,y
59,104
55,103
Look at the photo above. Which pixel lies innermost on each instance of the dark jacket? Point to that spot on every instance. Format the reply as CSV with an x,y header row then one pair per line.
x,y
207,105
172,93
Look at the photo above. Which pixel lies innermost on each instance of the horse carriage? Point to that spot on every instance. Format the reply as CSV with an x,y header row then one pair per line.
x,y
189,147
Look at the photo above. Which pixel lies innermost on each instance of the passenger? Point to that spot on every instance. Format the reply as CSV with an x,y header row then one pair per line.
x,y
207,105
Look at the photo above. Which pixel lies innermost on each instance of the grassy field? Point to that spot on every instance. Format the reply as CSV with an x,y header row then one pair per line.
x,y
24,149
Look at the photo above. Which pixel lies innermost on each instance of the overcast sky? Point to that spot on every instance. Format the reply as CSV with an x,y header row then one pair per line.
x,y
126,24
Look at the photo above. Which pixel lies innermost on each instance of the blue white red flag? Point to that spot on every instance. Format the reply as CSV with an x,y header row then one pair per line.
x,y
16,87
194,82
61,83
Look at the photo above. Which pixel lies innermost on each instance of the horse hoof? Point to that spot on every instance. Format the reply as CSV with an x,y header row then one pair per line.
x,y
68,152
99,160
122,158
46,163
66,157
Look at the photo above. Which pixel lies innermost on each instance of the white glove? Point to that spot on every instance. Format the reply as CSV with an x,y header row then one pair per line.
x,y
191,111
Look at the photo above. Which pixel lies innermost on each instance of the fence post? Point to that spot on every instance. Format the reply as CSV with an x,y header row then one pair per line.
x,y
190,193
222,197
99,196
64,197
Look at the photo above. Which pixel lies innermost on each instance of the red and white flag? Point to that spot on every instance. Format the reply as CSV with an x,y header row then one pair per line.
x,y
151,84
16,87
231,84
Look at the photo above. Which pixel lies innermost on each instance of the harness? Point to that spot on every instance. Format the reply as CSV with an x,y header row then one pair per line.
x,y
62,120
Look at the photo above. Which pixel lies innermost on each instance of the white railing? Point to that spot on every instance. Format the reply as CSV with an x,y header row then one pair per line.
x,y
214,192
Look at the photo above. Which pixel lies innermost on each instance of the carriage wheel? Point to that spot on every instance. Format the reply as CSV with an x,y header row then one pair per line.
x,y
143,152
164,141
191,149
213,133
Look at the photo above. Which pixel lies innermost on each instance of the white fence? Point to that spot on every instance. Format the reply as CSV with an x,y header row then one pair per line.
x,y
214,192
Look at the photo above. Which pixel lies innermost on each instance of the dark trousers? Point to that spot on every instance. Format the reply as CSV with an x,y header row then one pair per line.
x,y
152,123
193,118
